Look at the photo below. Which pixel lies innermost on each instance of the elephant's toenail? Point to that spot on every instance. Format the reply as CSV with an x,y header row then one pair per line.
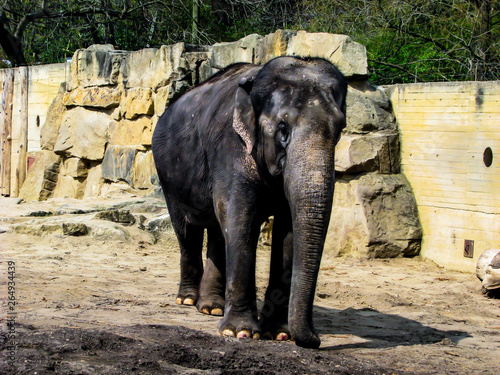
x,y
189,301
217,311
256,336
243,334
178,301
282,336
228,332
205,310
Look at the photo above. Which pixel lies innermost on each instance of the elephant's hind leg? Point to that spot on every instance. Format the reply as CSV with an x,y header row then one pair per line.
x,y
191,265
213,283
190,239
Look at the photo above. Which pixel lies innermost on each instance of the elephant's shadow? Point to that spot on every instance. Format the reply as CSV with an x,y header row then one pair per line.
x,y
377,329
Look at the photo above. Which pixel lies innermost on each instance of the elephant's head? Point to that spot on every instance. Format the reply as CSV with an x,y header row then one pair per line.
x,y
290,116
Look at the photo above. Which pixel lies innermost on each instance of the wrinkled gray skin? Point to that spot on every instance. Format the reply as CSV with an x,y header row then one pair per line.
x,y
251,142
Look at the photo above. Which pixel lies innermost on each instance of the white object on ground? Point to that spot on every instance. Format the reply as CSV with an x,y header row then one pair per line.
x,y
488,269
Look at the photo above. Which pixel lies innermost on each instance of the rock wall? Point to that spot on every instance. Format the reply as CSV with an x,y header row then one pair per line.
x,y
96,140
374,211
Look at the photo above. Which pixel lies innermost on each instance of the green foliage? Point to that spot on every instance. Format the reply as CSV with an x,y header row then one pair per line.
x,y
407,40
416,40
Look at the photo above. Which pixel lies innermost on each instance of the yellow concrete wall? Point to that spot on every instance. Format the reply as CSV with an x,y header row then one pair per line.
x,y
445,129
44,83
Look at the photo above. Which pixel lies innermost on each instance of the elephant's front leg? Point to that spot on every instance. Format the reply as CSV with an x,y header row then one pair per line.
x,y
241,232
274,313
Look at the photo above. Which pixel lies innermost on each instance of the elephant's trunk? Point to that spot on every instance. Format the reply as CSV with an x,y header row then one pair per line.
x,y
309,185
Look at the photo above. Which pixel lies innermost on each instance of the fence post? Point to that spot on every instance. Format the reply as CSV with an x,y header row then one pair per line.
x,y
23,137
6,135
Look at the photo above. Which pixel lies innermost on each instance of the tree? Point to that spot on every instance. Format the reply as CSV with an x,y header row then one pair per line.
x,y
416,40
407,40
41,27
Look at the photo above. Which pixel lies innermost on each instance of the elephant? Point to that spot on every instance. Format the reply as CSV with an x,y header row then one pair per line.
x,y
249,143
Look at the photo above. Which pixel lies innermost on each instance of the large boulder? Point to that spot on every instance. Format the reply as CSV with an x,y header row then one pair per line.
x,y
118,164
369,109
161,99
50,128
195,58
72,179
138,68
83,134
97,97
374,216
98,65
349,56
94,182
144,171
74,167
224,54
168,65
119,216
136,102
42,177
159,227
131,133
374,152
273,45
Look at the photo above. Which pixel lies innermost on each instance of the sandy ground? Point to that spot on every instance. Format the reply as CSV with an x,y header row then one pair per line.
x,y
104,302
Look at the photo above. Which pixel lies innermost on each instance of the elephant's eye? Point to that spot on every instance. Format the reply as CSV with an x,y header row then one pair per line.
x,y
283,133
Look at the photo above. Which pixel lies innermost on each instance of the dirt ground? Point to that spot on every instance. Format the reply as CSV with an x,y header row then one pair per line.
x,y
102,301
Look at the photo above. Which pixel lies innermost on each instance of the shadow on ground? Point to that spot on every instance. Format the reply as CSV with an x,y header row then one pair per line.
x,y
378,329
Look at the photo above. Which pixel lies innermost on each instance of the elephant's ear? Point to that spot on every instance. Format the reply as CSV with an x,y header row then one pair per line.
x,y
244,119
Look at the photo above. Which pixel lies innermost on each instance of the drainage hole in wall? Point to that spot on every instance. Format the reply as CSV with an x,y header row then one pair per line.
x,y
488,157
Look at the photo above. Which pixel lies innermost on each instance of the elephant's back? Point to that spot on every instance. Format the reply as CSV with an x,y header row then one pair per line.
x,y
203,111
191,130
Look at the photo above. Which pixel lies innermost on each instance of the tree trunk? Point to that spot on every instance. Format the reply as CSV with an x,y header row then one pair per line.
x,y
11,45
483,39
196,17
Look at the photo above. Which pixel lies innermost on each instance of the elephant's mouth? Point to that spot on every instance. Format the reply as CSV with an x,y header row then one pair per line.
x,y
280,163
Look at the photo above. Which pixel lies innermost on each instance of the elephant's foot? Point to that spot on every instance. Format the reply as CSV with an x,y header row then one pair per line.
x,y
187,296
278,332
239,326
274,324
281,334
211,305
